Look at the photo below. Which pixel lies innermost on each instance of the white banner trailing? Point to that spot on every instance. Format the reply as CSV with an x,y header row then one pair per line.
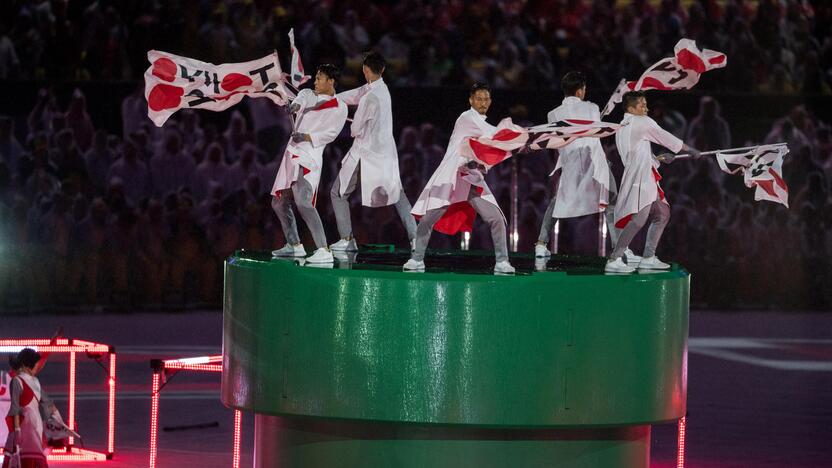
x,y
173,82
682,71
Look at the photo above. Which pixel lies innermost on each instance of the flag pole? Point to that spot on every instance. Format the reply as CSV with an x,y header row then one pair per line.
x,y
708,153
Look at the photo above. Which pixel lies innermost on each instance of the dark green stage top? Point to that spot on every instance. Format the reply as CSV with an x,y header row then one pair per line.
x,y
563,347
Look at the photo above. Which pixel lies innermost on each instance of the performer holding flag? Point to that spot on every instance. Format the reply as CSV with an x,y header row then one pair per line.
x,y
640,197
320,118
373,157
457,189
585,180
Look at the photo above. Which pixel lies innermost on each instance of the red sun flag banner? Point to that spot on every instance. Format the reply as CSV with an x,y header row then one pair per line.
x,y
559,134
682,71
173,82
762,168
297,76
492,150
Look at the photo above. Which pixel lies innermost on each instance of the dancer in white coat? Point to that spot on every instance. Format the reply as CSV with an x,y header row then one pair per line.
x,y
457,190
373,159
641,198
320,118
586,184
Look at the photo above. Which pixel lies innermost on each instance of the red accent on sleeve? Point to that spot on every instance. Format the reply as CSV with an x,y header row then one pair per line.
x,y
327,105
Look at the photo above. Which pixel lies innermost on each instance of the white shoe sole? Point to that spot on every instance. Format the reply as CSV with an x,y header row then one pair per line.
x,y
289,255
321,260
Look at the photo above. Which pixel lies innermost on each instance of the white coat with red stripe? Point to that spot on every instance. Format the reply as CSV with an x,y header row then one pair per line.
x,y
640,182
452,181
321,117
585,177
374,148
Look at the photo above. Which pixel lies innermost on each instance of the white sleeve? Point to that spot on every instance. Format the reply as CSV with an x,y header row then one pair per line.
x,y
364,116
328,127
662,137
352,96
305,98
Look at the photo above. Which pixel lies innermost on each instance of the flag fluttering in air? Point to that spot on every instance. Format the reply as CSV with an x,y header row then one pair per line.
x,y
682,71
492,150
297,75
173,82
559,134
762,168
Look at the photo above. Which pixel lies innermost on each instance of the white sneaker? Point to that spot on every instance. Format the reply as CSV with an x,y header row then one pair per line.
x,y
541,251
503,267
618,266
414,265
345,257
632,259
322,255
344,245
653,263
290,250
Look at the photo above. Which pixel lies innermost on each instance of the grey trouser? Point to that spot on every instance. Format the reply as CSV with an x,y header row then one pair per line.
x,y
490,214
609,215
300,197
341,207
659,214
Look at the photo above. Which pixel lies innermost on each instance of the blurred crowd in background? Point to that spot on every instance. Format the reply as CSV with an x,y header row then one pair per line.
x,y
140,216
775,46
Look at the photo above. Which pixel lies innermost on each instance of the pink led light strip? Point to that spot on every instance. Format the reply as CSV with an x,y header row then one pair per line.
x,y
680,445
197,364
73,346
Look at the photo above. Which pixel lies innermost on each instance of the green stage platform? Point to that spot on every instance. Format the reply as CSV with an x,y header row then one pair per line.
x,y
364,365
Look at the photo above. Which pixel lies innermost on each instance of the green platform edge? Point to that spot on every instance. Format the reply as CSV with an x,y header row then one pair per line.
x,y
383,368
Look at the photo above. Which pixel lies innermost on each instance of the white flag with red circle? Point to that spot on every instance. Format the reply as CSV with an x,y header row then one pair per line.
x,y
173,82
762,169
682,71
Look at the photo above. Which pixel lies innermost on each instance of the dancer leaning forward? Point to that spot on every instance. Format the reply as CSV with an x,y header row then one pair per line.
x,y
457,190
640,197
320,118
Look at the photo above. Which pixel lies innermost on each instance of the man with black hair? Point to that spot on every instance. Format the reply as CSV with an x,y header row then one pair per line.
x,y
24,417
641,198
585,180
373,159
320,118
457,191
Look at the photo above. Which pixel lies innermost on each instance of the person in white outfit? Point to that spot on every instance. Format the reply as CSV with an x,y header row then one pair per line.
x,y
641,198
373,160
457,191
320,117
586,184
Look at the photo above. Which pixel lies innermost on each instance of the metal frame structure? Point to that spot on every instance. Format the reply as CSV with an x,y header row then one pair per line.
x,y
163,368
93,351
